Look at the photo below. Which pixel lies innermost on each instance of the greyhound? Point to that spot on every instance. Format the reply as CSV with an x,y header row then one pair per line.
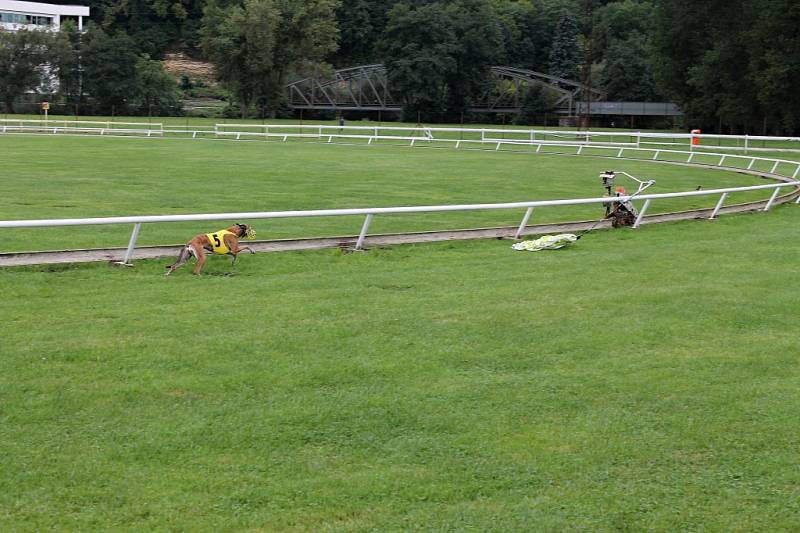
x,y
222,242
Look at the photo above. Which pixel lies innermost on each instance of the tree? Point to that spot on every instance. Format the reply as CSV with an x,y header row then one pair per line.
x,y
536,103
307,34
109,68
361,23
565,53
712,57
527,33
775,62
438,56
156,91
23,63
255,45
479,46
417,47
626,74
65,59
240,42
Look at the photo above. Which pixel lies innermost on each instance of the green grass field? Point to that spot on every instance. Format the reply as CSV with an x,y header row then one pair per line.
x,y
70,177
638,380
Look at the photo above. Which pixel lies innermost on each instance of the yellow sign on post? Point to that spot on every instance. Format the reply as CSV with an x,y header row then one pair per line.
x,y
45,105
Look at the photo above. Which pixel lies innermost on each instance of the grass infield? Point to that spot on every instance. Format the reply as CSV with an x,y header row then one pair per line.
x,y
637,380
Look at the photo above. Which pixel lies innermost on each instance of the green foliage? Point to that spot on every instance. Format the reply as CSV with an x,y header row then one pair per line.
x,y
154,25
732,65
156,91
623,51
64,57
417,49
479,43
361,23
256,44
109,68
438,55
535,104
118,80
240,41
23,59
626,75
775,62
527,34
566,55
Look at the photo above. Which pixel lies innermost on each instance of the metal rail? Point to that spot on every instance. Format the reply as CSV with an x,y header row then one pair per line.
x,y
653,142
116,255
370,213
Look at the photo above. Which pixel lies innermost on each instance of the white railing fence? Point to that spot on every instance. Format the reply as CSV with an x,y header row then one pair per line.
x,y
370,213
627,145
370,134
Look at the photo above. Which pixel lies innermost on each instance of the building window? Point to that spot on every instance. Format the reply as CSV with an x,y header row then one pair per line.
x,y
29,20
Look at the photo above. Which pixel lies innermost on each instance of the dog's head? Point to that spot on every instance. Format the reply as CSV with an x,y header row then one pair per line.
x,y
246,231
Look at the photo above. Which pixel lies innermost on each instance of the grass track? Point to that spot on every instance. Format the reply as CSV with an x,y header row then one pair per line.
x,y
69,177
638,380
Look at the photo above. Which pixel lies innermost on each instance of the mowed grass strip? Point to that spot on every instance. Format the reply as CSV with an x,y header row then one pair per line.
x,y
73,177
637,380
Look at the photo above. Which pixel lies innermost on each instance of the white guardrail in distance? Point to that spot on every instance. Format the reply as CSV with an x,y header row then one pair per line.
x,y
108,124
535,137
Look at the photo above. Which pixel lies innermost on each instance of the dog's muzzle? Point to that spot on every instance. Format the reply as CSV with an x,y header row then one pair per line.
x,y
250,234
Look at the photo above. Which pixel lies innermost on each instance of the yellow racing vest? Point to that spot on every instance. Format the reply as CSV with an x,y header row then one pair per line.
x,y
217,240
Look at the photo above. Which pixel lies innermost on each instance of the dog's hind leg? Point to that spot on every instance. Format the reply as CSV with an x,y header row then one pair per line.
x,y
183,257
198,252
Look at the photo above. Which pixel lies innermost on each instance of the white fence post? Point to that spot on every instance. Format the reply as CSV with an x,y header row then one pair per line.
x,y
718,206
772,199
524,223
363,234
641,214
131,244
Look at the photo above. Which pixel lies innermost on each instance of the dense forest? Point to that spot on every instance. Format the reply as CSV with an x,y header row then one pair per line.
x,y
732,65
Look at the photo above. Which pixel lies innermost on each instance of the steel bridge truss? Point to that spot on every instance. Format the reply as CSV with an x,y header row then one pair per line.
x,y
366,88
362,88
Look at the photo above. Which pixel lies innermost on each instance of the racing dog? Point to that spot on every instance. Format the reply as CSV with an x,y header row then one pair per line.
x,y
222,242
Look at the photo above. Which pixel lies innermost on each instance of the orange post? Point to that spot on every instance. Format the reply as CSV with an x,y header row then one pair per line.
x,y
696,140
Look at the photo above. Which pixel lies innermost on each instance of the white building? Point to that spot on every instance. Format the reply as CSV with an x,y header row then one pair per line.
x,y
35,16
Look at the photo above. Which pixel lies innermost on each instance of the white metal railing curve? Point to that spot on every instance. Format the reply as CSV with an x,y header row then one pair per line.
x,y
638,143
581,140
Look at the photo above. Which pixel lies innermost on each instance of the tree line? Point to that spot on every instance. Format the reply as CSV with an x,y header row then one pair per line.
x,y
731,65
